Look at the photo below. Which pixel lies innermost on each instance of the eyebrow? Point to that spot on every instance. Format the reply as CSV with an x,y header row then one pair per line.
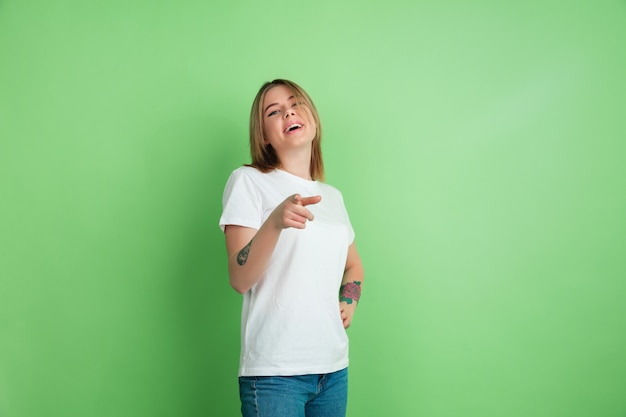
x,y
276,104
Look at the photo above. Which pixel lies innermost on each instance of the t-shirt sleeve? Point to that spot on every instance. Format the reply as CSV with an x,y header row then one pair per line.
x,y
351,233
241,202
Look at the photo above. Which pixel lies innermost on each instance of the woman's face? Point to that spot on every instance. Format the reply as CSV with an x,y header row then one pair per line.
x,y
286,125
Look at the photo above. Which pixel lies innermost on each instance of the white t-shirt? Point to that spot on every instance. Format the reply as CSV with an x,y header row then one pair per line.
x,y
290,322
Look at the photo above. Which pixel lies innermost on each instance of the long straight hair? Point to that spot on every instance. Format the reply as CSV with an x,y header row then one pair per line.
x,y
263,155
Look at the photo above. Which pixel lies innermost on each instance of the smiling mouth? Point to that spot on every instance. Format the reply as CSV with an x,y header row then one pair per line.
x,y
293,127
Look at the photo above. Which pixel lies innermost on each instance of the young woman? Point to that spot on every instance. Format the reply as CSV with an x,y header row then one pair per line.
x,y
291,253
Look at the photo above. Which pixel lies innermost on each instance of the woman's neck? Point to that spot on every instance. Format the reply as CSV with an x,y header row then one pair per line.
x,y
298,164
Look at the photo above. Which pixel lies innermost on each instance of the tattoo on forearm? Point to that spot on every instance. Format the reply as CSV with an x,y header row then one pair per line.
x,y
350,292
242,256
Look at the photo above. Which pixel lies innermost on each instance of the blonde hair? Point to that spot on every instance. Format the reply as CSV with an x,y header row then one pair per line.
x,y
263,155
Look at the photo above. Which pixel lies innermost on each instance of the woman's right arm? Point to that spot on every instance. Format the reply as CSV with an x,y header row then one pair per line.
x,y
249,250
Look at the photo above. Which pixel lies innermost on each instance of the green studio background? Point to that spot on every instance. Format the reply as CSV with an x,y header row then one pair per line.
x,y
479,146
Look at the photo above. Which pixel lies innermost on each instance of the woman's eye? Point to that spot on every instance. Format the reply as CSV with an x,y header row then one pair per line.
x,y
272,113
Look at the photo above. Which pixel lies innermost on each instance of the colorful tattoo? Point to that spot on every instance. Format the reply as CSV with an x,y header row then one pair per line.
x,y
350,292
242,257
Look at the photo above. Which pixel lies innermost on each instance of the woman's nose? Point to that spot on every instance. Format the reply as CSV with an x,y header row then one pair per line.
x,y
289,112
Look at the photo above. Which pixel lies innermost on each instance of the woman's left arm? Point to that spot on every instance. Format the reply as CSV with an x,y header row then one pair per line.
x,y
350,291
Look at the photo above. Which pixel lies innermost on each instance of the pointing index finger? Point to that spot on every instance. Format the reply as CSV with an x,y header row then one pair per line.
x,y
311,200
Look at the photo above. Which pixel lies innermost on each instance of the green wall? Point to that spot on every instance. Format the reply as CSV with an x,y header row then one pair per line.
x,y
480,148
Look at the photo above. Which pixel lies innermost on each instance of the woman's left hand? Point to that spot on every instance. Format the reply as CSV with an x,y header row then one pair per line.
x,y
347,312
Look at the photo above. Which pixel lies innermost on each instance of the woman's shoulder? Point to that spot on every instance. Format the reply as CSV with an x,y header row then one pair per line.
x,y
249,176
246,171
330,189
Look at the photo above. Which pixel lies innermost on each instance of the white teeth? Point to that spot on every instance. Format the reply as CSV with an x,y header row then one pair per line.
x,y
292,127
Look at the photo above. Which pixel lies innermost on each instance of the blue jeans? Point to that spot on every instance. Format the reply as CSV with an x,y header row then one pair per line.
x,y
316,395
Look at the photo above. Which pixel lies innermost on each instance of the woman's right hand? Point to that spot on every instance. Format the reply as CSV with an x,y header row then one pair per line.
x,y
249,250
293,212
